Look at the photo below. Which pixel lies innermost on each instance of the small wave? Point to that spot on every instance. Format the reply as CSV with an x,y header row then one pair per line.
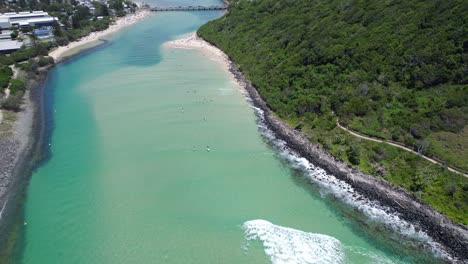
x,y
372,257
329,184
1,211
287,245
180,47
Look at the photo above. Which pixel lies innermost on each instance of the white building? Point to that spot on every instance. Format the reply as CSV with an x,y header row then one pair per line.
x,y
23,19
7,46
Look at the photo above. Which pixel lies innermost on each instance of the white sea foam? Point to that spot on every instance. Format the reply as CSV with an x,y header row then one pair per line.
x,y
330,185
1,211
372,257
286,245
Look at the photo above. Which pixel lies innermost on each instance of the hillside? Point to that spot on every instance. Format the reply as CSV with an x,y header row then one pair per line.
x,y
396,70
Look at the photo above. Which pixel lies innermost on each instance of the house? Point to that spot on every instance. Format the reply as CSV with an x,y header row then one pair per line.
x,y
5,34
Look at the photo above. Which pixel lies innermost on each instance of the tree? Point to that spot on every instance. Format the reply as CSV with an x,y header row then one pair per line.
x,y
13,102
354,154
422,146
417,183
57,30
14,34
17,86
101,9
75,22
117,5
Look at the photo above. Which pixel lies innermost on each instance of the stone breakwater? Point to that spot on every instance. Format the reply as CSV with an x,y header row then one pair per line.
x,y
20,152
438,226
8,151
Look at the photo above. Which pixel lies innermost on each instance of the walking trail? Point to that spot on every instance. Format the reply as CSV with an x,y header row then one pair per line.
x,y
15,74
359,135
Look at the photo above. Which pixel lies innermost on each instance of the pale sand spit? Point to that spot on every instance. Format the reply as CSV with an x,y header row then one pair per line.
x,y
95,36
192,41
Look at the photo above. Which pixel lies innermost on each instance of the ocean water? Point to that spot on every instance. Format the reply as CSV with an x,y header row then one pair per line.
x,y
158,157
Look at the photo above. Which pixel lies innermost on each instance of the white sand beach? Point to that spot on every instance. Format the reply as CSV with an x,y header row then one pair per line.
x,y
87,41
192,41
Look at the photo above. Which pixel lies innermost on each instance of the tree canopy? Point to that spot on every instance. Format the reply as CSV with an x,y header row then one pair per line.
x,y
392,69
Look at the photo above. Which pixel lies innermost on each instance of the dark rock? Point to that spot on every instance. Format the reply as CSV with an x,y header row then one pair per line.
x,y
450,234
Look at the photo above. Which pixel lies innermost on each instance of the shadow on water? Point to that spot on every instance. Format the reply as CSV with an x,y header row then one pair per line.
x,y
41,154
44,126
374,232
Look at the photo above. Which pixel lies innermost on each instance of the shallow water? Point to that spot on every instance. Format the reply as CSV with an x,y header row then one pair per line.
x,y
131,180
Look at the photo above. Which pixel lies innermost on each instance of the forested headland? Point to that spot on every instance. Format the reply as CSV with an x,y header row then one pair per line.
x,y
397,70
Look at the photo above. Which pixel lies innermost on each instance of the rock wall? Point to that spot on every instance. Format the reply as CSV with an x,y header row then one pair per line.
x,y
438,226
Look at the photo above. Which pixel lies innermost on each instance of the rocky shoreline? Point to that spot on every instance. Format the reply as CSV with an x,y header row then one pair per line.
x,y
20,152
443,230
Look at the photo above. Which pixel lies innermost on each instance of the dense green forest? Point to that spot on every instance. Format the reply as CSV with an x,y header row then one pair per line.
x,y
392,69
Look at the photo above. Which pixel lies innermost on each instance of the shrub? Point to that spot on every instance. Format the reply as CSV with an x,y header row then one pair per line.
x,y
17,86
13,102
354,154
43,61
5,74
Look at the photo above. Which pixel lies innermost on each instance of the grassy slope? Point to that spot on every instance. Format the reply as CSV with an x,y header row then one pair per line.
x,y
393,69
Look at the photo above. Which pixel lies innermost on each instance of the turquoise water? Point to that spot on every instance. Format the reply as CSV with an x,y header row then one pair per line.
x,y
130,179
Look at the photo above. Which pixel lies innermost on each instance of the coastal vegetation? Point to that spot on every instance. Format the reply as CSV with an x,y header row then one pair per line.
x,y
75,20
5,75
395,70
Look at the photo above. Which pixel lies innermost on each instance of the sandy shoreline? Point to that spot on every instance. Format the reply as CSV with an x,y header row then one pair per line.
x,y
63,51
449,234
192,41
22,147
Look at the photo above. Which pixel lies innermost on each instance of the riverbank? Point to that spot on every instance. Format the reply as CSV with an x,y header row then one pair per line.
x,y
95,38
20,139
452,235
23,134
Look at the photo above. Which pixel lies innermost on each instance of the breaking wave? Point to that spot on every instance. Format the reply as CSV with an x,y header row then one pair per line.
x,y
286,245
330,185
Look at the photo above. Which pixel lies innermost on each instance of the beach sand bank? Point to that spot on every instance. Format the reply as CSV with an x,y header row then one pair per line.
x,y
192,41
96,38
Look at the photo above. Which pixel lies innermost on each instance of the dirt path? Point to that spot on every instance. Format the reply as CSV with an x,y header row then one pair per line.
x,y
15,74
398,146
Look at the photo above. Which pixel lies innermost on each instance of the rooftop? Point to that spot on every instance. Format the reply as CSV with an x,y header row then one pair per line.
x,y
10,45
